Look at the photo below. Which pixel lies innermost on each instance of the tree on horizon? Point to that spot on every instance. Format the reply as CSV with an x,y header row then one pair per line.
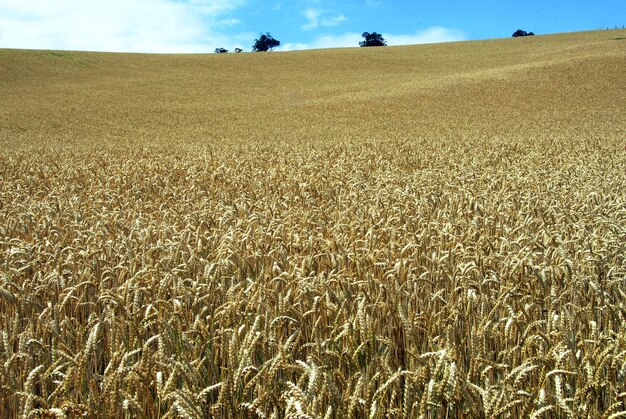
x,y
373,40
265,42
520,32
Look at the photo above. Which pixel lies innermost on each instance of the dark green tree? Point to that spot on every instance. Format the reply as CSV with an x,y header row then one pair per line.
x,y
265,43
373,40
221,50
520,32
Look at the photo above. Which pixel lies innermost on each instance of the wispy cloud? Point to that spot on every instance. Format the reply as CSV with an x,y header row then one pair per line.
x,y
374,4
351,39
317,17
348,39
229,22
333,20
312,16
428,36
119,25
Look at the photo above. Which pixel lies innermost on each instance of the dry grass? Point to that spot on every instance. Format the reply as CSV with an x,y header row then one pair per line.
x,y
396,232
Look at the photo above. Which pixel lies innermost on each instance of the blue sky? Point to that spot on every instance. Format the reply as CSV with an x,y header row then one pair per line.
x,y
197,26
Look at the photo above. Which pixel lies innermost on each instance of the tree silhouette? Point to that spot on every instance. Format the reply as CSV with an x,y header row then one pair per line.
x,y
265,43
372,40
221,50
520,32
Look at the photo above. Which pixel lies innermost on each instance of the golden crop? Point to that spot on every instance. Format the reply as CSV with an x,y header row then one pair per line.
x,y
422,231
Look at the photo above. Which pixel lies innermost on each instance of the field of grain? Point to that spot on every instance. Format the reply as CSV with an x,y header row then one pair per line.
x,y
421,231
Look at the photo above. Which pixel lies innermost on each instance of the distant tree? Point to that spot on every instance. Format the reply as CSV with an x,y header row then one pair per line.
x,y
238,50
373,40
265,43
520,32
221,50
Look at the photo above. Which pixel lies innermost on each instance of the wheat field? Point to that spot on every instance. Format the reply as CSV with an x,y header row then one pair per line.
x,y
422,231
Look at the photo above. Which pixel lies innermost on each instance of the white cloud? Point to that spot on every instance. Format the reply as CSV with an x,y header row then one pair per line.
x,y
351,39
348,39
311,15
229,22
375,4
211,7
118,25
333,20
427,36
315,18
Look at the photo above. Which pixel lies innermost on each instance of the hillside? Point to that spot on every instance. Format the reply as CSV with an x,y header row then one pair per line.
x,y
419,231
543,85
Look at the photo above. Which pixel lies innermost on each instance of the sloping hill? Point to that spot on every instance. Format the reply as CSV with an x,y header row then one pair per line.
x,y
504,87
